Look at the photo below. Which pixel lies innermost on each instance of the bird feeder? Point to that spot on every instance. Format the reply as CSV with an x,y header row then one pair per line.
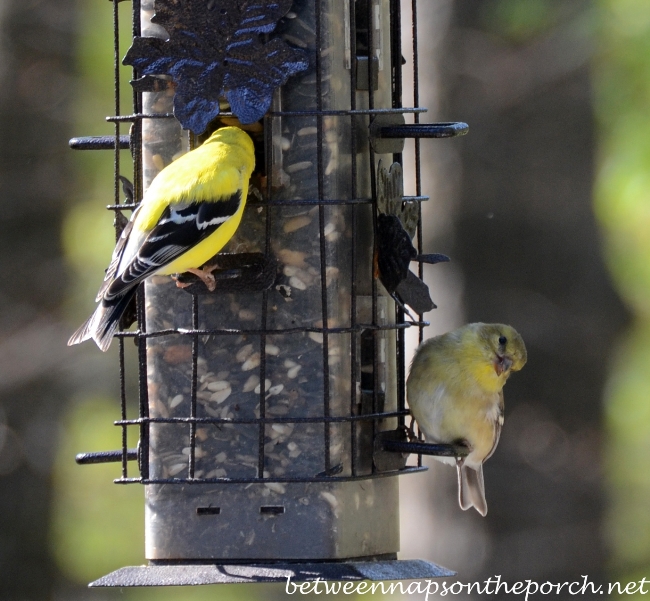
x,y
271,411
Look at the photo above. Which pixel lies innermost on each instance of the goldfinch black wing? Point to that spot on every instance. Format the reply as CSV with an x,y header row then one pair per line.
x,y
179,228
142,254
118,251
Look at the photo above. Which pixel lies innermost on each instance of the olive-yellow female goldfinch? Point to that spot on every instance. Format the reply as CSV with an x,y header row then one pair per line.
x,y
188,213
455,394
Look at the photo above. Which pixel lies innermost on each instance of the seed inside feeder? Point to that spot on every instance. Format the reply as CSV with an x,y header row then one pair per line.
x,y
296,282
251,383
177,400
244,352
251,363
218,385
296,223
220,396
293,372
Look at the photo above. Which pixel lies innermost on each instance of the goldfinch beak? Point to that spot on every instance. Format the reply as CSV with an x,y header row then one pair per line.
x,y
502,364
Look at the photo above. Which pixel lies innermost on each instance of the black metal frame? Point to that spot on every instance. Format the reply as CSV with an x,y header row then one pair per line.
x,y
416,130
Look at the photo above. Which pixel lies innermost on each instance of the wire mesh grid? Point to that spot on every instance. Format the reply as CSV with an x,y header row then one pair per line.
x,y
350,415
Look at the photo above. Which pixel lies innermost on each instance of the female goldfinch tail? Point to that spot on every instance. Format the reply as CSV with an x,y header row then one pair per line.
x,y
103,323
471,489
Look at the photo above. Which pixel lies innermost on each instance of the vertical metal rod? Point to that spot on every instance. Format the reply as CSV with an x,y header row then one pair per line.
x,y
137,109
143,385
268,157
373,195
116,85
143,390
116,200
321,228
418,174
262,430
396,62
123,415
396,51
194,385
354,336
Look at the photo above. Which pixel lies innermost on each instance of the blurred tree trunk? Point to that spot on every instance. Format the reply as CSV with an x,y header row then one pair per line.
x,y
36,51
529,248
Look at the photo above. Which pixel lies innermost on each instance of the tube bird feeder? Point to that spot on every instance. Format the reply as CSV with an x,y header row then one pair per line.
x,y
271,411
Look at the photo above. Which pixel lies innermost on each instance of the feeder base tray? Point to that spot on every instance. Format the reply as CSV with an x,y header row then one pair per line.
x,y
186,574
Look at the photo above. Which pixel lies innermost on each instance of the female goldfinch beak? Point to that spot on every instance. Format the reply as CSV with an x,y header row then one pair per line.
x,y
502,364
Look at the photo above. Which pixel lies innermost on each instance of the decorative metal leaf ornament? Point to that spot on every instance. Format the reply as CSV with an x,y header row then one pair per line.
x,y
396,224
214,49
395,251
390,191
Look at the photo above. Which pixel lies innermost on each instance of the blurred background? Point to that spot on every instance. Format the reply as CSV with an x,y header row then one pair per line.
x,y
544,209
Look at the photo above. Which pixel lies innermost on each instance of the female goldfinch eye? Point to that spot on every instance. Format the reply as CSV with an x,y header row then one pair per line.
x,y
503,340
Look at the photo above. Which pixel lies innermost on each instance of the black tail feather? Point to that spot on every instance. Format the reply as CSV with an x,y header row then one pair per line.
x,y
103,323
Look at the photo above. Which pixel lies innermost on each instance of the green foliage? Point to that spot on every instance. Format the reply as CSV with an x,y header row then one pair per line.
x,y
622,93
225,592
88,234
519,21
622,203
97,526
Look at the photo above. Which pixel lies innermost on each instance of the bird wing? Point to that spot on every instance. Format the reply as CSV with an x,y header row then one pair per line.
x,y
497,420
116,258
179,228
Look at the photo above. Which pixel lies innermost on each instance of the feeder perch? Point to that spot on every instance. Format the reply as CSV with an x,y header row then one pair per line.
x,y
271,412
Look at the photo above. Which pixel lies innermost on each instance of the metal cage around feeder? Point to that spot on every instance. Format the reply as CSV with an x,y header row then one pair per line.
x,y
272,410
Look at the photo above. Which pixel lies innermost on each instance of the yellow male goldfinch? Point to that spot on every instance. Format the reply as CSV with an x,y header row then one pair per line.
x,y
455,394
189,212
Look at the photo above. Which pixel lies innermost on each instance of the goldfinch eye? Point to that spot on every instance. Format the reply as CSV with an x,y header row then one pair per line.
x,y
502,340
